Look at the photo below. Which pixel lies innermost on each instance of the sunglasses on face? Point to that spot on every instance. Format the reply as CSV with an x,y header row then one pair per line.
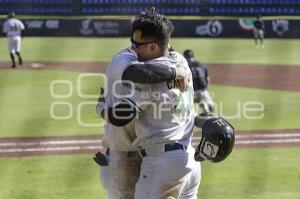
x,y
135,45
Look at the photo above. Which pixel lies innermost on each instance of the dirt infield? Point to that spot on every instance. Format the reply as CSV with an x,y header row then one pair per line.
x,y
277,77
70,145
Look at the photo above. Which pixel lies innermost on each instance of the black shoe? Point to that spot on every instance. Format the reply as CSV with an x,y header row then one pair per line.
x,y
20,61
13,66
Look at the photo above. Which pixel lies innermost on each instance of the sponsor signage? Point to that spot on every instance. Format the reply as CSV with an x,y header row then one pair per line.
x,y
280,27
212,28
239,28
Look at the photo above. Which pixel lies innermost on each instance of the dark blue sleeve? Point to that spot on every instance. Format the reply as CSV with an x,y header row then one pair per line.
x,y
149,73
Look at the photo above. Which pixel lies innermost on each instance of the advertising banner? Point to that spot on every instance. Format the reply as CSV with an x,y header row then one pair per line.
x,y
239,28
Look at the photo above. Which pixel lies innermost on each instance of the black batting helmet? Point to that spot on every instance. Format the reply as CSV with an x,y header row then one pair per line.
x,y
188,54
217,140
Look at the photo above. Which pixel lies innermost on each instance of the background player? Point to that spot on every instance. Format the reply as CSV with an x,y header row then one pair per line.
x,y
258,32
200,83
13,28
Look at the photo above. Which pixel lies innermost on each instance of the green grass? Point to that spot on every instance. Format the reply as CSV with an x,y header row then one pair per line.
x,y
208,50
252,174
257,109
26,101
247,173
50,178
241,50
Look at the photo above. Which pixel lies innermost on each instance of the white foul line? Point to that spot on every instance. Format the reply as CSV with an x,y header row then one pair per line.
x,y
96,143
260,136
58,142
50,149
99,141
249,142
267,141
275,135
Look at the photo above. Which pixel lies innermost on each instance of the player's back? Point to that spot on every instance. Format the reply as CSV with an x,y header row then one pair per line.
x,y
13,27
114,73
118,138
168,116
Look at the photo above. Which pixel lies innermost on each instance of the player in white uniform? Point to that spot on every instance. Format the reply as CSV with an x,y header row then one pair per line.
x,y
164,131
121,165
13,27
121,175
163,124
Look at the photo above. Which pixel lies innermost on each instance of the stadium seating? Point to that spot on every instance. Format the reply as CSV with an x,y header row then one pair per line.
x,y
168,7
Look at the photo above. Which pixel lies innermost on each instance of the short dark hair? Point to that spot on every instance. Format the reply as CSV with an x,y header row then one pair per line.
x,y
153,26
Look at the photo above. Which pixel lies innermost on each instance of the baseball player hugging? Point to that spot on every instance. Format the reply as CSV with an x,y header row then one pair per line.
x,y
120,165
163,117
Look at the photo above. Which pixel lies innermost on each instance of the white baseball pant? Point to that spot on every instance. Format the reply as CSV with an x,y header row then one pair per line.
x,y
169,175
258,33
121,175
14,44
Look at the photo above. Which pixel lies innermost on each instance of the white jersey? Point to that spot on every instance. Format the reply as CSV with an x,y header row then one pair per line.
x,y
119,138
13,27
166,114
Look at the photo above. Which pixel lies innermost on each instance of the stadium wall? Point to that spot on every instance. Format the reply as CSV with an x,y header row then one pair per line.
x,y
223,28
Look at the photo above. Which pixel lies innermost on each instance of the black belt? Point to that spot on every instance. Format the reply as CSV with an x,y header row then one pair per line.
x,y
168,147
130,154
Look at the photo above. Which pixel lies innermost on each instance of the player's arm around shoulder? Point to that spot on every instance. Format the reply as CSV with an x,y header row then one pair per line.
x,y
124,111
153,71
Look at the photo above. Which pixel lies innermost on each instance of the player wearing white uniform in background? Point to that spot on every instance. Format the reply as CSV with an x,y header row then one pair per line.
x,y
13,27
120,168
163,123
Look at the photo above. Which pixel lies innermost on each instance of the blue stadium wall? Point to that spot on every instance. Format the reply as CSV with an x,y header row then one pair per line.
x,y
90,18
93,27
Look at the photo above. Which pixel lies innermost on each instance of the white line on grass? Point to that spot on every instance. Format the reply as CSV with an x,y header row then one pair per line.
x,y
58,142
267,141
295,135
50,149
78,148
249,142
99,141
